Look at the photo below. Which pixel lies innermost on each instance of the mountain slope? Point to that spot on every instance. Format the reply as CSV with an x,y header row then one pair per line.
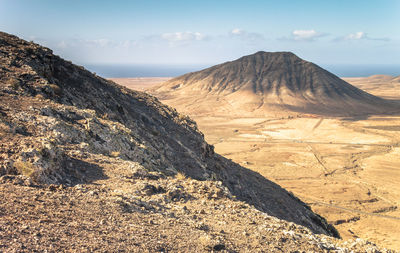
x,y
269,82
60,124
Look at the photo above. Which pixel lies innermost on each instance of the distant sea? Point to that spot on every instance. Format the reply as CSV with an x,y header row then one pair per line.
x,y
362,70
136,70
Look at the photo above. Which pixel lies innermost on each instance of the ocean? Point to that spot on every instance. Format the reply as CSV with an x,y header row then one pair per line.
x,y
362,70
138,70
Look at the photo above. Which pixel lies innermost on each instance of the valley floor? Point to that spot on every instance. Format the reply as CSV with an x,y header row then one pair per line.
x,y
347,169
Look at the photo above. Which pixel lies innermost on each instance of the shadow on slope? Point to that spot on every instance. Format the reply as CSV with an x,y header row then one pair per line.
x,y
81,171
267,196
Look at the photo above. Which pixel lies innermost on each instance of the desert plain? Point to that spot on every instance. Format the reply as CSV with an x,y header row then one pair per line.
x,y
346,169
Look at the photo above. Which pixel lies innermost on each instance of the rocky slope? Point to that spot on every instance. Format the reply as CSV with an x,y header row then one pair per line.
x,y
142,211
103,168
269,82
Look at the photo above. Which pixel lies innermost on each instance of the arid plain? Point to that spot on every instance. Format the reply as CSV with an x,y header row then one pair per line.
x,y
347,169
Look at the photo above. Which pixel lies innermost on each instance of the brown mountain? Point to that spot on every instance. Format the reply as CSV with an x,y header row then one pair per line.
x,y
265,83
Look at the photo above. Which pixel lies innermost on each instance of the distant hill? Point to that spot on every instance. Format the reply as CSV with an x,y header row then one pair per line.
x,y
384,86
265,83
396,79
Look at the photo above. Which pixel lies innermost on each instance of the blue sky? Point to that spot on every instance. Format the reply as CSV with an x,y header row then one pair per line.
x,y
208,32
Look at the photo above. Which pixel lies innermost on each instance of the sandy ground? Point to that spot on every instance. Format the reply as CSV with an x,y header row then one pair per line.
x,y
347,169
140,83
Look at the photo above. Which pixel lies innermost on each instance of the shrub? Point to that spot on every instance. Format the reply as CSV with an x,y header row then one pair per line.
x,y
25,168
180,176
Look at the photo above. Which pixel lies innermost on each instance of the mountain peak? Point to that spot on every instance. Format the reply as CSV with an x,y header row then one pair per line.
x,y
274,56
278,53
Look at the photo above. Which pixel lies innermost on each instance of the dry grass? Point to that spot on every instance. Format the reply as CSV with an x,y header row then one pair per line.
x,y
180,176
115,153
25,168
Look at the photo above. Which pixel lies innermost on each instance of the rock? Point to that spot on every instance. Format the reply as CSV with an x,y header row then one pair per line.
x,y
176,194
149,189
202,226
52,187
218,247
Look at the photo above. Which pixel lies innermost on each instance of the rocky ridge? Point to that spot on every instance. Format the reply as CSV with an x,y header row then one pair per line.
x,y
97,162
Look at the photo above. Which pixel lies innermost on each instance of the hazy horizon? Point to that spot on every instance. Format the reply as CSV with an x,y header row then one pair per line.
x,y
160,70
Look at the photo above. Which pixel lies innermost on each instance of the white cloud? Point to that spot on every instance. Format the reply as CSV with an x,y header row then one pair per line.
x,y
237,31
94,43
62,44
355,36
306,35
244,35
129,43
101,42
358,36
183,36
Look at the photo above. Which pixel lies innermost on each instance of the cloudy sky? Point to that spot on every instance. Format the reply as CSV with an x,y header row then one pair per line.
x,y
208,31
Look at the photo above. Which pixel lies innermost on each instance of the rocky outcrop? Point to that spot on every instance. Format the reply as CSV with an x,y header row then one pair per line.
x,y
61,124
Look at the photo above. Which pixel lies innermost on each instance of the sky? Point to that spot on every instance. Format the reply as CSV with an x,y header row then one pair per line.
x,y
206,32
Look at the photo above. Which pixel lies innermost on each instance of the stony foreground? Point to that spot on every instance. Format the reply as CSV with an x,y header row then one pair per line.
x,y
146,212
